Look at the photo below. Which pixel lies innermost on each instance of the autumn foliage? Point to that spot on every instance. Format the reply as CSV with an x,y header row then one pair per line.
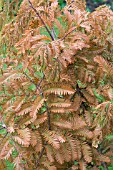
x,y
56,86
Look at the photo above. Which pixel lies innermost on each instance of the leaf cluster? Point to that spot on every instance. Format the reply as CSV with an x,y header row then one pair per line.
x,y
56,87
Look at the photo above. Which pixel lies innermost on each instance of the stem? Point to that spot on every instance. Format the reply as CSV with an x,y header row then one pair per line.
x,y
1,141
48,115
29,78
40,155
68,33
17,148
31,5
41,94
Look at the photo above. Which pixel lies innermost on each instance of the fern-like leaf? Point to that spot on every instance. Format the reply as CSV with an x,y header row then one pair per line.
x,y
60,91
104,65
84,132
18,163
36,106
74,148
59,156
52,138
87,152
24,137
48,165
4,150
9,152
63,124
60,104
66,152
50,154
23,111
103,158
83,165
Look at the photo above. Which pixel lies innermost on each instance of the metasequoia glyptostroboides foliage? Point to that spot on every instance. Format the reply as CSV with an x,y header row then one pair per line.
x,y
56,94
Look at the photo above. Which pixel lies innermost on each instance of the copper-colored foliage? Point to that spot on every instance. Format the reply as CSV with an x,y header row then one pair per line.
x,y
56,92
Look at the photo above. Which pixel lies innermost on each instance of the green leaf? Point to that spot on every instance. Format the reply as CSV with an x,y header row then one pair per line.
x,y
9,165
43,109
0,108
20,66
14,153
80,84
13,99
39,74
101,167
75,163
110,167
100,98
33,98
26,71
109,137
94,115
4,48
32,87
4,66
3,132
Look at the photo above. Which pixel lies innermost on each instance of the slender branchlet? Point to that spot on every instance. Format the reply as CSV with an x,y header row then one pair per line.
x,y
41,93
31,5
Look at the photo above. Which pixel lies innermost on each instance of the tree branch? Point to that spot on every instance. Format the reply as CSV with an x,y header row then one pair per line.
x,y
31,5
40,155
11,137
42,94
48,116
68,33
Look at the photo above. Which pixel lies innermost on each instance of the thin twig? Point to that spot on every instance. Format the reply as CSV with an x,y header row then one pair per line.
x,y
17,95
48,116
32,81
68,33
11,137
42,94
17,148
40,81
54,33
31,5
3,137
40,155
37,85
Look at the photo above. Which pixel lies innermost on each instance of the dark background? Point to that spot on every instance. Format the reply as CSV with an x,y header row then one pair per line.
x,y
92,4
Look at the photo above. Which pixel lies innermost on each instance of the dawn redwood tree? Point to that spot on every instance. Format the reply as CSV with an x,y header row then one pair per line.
x,y
56,85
